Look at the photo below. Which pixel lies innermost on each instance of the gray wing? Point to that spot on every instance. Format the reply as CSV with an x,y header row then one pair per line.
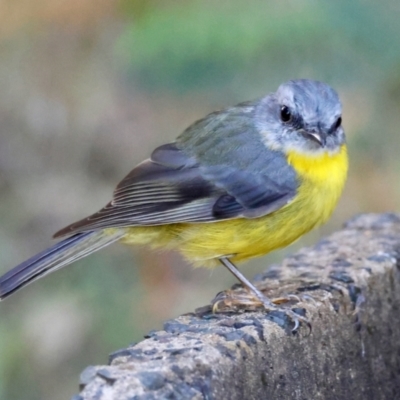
x,y
171,187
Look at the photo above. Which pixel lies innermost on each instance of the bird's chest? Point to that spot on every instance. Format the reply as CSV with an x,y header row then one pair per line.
x,y
321,181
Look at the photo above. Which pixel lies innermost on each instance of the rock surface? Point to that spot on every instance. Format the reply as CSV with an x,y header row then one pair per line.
x,y
349,289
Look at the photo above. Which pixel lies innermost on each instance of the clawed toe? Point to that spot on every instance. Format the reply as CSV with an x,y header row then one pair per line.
x,y
286,299
241,301
235,301
297,319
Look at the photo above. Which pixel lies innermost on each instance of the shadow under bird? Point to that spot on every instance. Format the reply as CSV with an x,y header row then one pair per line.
x,y
237,184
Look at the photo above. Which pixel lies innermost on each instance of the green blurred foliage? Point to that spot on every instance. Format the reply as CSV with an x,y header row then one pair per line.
x,y
88,90
200,46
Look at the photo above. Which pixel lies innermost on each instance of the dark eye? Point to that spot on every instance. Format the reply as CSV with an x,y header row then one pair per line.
x,y
337,123
286,115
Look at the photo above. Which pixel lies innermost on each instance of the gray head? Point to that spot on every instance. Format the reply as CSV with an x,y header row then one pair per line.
x,y
302,115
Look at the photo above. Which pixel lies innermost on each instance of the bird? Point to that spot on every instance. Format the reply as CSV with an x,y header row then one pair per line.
x,y
236,184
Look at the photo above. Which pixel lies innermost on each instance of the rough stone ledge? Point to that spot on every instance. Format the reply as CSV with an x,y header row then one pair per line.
x,y
350,290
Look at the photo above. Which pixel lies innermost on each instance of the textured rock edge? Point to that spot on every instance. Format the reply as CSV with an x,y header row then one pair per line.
x,y
349,288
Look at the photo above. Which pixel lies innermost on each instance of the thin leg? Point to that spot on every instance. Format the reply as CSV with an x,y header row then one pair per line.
x,y
268,305
231,267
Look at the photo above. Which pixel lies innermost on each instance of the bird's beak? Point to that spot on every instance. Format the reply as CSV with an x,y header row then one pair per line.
x,y
317,137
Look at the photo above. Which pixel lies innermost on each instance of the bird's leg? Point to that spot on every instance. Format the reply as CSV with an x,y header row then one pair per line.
x,y
231,267
268,304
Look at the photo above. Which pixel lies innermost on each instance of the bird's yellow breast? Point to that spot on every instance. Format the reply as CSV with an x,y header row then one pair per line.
x,y
321,181
323,178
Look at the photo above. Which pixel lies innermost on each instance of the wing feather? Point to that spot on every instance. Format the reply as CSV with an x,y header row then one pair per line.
x,y
171,187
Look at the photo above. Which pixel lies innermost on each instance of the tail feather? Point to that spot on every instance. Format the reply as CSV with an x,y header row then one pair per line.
x,y
55,257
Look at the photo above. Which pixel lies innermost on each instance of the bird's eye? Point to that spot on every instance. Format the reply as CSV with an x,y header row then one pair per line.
x,y
338,123
286,115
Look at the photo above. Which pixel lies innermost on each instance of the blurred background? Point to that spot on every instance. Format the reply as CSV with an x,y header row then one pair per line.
x,y
90,87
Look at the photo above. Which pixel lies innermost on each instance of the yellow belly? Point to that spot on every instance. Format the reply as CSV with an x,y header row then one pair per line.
x,y
322,180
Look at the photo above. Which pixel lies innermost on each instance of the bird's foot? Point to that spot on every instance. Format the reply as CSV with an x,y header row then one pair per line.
x,y
243,300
